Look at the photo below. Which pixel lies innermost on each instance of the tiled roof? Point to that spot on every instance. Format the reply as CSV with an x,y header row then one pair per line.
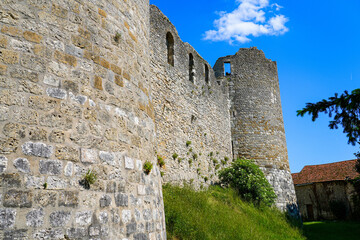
x,y
326,172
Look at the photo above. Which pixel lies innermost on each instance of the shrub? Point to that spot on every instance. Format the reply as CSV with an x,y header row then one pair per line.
x,y
249,181
147,167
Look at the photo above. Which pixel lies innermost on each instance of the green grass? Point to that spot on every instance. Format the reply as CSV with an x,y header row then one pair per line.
x,y
332,230
220,214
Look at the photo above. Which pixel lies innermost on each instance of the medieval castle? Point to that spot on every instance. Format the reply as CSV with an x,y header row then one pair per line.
x,y
105,86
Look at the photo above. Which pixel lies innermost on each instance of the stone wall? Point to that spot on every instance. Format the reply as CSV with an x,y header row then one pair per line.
x,y
187,108
257,126
75,96
314,199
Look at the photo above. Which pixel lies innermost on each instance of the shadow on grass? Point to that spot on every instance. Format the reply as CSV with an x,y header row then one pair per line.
x,y
332,230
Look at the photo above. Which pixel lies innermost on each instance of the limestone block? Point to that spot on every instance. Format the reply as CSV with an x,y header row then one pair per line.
x,y
76,233
67,153
129,163
37,149
57,136
69,199
35,218
59,218
56,183
50,167
24,74
105,201
48,234
4,113
45,199
68,170
34,182
83,218
22,164
103,217
3,163
147,214
8,145
14,130
11,180
126,216
56,93
141,236
89,155
121,200
7,218
131,228
107,158
51,80
14,198
37,134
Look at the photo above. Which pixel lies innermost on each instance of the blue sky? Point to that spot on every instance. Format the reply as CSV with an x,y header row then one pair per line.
x,y
316,45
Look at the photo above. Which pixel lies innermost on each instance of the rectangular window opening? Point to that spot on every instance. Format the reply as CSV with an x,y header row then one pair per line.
x,y
227,69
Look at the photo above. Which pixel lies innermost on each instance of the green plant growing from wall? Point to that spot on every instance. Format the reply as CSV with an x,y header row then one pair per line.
x,y
147,167
217,166
195,156
198,171
215,161
188,143
190,150
223,162
117,37
190,162
180,160
226,159
174,156
45,185
161,161
89,178
206,179
211,154
249,181
162,174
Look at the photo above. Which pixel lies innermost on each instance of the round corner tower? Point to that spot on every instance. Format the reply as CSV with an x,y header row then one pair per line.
x,y
257,126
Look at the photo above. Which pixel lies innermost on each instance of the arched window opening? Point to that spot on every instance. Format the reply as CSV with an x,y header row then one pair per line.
x,y
206,74
227,68
170,48
191,68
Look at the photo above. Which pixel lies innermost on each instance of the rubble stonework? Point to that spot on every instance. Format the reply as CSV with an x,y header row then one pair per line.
x,y
107,85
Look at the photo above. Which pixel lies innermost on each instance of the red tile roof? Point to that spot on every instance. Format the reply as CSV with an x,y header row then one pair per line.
x,y
326,172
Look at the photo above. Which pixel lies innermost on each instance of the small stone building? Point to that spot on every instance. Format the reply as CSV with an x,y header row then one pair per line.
x,y
320,187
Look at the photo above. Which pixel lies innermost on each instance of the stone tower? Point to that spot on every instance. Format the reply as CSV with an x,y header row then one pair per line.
x,y
257,128
74,97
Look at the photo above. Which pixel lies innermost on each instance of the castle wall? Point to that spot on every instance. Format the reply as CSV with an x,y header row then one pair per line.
x,y
257,126
75,96
187,111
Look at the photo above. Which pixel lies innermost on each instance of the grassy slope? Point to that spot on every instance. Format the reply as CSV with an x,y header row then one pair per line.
x,y
220,214
332,230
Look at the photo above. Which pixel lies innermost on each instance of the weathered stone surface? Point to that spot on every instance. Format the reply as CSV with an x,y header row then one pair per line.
x,y
67,153
11,180
34,182
37,149
56,93
7,218
15,198
57,136
35,218
16,234
131,228
3,164
56,183
107,157
69,198
129,163
51,167
141,236
126,216
105,201
68,170
48,234
22,164
8,145
83,218
14,130
37,134
76,233
45,199
59,218
89,155
121,200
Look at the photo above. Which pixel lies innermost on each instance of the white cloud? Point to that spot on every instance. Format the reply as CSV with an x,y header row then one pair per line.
x,y
248,19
